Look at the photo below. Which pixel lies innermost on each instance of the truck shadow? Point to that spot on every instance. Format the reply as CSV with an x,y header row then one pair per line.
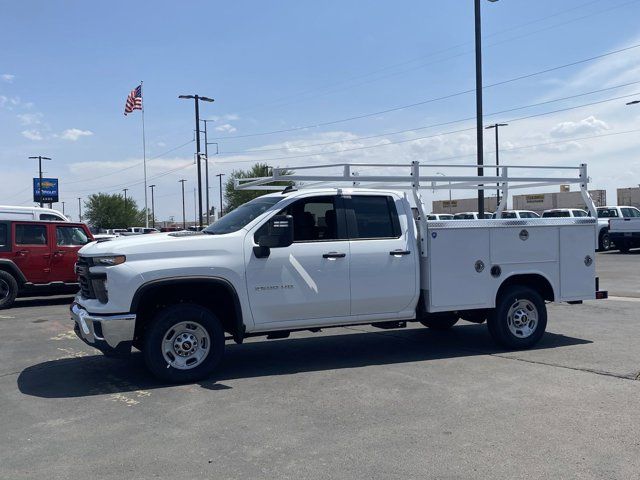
x,y
98,375
24,302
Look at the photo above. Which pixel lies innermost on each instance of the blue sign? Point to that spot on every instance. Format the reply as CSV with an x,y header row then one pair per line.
x,y
49,191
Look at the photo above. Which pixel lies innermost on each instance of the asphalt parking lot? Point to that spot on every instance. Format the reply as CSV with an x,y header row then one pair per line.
x,y
345,403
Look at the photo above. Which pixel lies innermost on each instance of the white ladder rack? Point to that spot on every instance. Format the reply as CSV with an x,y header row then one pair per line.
x,y
411,177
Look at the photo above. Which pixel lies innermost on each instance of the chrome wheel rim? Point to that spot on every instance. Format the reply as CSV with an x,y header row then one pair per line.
x,y
4,289
522,318
185,345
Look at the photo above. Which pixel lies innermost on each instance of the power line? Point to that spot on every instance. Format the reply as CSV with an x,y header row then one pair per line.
x,y
134,165
430,136
424,127
278,104
431,100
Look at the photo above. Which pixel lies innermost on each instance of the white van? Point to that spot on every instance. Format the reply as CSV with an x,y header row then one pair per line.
x,y
9,212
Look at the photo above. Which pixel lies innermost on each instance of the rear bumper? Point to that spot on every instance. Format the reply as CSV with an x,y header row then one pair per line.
x,y
111,334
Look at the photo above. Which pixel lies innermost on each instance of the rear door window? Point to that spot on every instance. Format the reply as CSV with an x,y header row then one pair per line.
x,y
5,244
375,217
70,236
579,213
31,234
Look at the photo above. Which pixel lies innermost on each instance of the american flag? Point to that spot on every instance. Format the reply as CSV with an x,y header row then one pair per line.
x,y
134,100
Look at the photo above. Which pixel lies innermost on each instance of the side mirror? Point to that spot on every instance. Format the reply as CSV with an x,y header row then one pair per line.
x,y
279,235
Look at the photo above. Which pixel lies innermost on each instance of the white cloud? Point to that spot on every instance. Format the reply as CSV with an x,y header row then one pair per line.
x,y
30,118
74,134
7,77
32,134
227,128
588,125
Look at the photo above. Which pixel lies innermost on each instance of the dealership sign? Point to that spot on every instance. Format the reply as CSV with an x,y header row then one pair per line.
x,y
47,192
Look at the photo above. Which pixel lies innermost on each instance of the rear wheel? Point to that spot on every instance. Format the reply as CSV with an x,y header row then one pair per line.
x,y
184,343
8,289
605,241
440,322
519,319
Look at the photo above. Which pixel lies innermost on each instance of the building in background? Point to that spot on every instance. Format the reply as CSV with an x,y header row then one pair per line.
x,y
629,196
537,202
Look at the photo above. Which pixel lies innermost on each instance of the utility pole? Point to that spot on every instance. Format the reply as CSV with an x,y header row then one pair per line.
x,y
496,127
220,175
196,99
184,218
206,165
62,208
153,208
40,158
479,122
79,209
125,190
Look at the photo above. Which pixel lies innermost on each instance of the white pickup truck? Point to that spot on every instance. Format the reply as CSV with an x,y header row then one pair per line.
x,y
625,232
326,257
615,215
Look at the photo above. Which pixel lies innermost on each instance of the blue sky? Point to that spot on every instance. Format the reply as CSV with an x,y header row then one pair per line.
x,y
67,67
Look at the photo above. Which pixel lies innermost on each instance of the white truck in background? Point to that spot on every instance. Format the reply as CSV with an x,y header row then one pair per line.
x,y
329,256
611,215
625,232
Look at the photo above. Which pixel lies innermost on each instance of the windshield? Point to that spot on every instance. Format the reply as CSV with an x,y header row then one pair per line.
x,y
241,216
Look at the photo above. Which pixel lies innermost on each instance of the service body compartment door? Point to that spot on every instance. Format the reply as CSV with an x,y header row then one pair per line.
x,y
459,268
577,262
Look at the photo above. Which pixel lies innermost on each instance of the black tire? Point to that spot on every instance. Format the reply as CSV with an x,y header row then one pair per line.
x,y
8,289
604,243
624,246
507,329
440,322
159,333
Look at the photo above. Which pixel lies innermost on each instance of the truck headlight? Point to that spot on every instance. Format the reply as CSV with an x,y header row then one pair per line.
x,y
109,260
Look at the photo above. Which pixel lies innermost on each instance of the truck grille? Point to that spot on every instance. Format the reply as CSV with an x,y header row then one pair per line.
x,y
82,270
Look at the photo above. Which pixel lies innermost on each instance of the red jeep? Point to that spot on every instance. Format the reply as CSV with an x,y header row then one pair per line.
x,y
38,257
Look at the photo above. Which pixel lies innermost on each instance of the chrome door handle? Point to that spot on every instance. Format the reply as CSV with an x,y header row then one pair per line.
x,y
399,252
334,255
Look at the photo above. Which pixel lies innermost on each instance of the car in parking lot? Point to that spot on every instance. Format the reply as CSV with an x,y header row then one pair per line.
x,y
517,214
39,257
440,216
605,215
565,213
471,216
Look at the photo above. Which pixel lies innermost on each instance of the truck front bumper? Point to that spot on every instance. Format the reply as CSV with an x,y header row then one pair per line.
x,y
111,334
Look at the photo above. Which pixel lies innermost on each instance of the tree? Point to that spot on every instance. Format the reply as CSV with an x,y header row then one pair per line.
x,y
109,211
234,198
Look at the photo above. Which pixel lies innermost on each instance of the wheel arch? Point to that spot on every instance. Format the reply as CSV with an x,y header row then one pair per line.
x,y
534,280
210,292
10,267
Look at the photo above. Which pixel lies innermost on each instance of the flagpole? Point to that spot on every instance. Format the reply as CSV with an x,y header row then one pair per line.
x,y
144,161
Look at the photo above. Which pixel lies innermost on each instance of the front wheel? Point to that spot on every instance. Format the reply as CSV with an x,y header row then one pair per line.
x,y
519,319
184,343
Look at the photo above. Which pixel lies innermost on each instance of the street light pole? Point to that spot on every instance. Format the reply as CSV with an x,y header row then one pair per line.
x,y
79,209
479,122
153,208
62,208
220,175
196,99
184,218
496,127
40,158
125,190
